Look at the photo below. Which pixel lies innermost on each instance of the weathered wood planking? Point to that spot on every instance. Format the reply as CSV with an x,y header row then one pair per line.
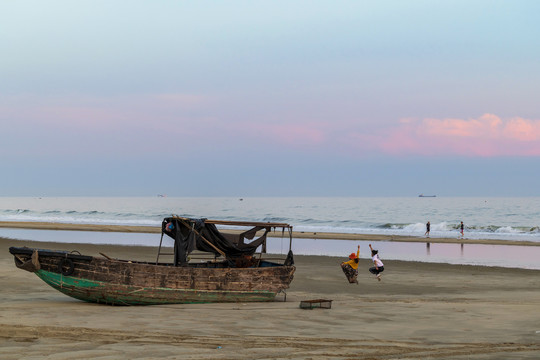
x,y
129,283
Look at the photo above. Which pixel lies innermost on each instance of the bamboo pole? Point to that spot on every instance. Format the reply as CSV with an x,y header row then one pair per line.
x,y
241,223
159,249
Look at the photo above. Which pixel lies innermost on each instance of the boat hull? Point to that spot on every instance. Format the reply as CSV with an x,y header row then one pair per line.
x,y
119,282
119,294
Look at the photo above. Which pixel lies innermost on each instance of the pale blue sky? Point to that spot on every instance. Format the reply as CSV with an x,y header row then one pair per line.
x,y
268,98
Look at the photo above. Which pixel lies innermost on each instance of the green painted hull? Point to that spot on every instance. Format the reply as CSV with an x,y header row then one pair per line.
x,y
117,294
122,282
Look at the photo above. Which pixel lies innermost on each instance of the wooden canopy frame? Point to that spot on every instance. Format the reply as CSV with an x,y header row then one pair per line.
x,y
253,224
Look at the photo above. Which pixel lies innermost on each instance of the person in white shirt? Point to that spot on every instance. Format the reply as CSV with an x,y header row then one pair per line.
x,y
379,266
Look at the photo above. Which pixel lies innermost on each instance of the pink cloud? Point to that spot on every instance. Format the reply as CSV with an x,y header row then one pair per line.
x,y
523,129
145,119
485,126
76,123
98,113
144,116
488,135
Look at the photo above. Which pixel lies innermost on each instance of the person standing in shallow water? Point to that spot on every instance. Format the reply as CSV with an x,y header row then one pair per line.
x,y
461,228
350,268
428,227
379,266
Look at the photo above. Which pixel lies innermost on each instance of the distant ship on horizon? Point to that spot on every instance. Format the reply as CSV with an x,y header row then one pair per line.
x,y
422,195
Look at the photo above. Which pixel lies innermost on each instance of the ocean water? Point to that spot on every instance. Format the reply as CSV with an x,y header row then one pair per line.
x,y
494,218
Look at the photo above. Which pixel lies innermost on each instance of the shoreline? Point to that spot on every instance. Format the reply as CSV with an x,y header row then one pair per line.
x,y
149,253
296,234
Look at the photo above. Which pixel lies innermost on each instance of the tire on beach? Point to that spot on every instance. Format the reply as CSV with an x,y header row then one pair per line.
x,y
66,267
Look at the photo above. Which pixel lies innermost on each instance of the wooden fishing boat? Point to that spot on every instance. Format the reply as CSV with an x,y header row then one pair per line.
x,y
236,273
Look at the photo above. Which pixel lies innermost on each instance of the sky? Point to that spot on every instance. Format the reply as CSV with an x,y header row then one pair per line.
x,y
269,98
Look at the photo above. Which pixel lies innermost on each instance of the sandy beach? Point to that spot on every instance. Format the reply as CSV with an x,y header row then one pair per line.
x,y
418,310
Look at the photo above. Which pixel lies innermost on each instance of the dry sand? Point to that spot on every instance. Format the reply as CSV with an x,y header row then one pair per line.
x,y
418,311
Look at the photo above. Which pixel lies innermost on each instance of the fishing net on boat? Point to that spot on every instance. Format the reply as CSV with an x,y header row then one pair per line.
x,y
195,234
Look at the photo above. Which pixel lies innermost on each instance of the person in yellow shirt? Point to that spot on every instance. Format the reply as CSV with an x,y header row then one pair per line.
x,y
350,268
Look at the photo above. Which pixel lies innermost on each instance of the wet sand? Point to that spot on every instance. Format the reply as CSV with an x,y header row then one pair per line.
x,y
417,311
296,234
